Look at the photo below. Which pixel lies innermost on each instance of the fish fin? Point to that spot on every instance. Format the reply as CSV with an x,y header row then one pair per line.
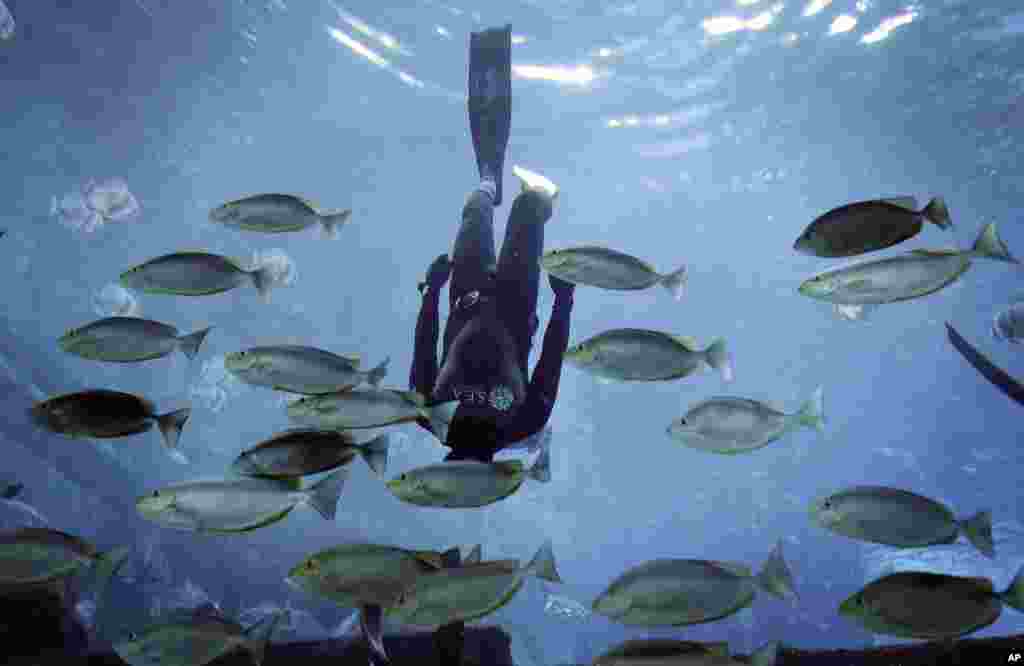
x,y
910,203
978,530
106,566
674,282
309,204
775,577
853,312
12,490
991,246
170,425
375,453
258,635
541,468
812,413
189,344
355,358
375,376
451,557
717,356
859,285
937,213
440,417
543,564
332,221
413,397
766,655
371,621
475,555
430,558
687,341
324,495
1014,594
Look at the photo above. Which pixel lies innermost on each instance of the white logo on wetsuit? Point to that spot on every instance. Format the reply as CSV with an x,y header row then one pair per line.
x,y
500,397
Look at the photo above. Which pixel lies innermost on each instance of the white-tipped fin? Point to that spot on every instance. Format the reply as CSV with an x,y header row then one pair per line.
x,y
543,564
535,181
853,312
675,282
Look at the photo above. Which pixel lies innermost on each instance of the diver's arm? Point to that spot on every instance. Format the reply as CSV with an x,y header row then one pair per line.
x,y
423,373
540,397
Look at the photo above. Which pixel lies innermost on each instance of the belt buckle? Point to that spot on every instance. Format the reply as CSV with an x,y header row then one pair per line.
x,y
469,299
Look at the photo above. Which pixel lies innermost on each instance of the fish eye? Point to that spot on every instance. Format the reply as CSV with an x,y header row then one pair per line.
x,y
827,504
132,636
682,421
156,493
402,477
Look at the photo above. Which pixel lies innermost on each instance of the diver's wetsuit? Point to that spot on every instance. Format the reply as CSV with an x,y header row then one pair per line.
x,y
509,289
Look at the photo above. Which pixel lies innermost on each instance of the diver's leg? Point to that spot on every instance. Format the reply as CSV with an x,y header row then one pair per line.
x,y
490,101
449,641
518,278
473,259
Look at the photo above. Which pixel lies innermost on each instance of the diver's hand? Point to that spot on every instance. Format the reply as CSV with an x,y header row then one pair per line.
x,y
562,289
437,274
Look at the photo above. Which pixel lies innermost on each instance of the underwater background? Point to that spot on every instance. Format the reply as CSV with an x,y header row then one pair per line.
x,y
700,133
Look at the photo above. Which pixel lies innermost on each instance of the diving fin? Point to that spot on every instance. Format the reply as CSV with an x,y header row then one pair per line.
x,y
490,101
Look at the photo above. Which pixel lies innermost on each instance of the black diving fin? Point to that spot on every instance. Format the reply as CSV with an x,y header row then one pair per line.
x,y
490,100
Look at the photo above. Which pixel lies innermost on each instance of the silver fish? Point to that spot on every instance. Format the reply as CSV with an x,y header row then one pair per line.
x,y
105,414
301,369
195,274
899,518
675,592
610,269
238,505
195,638
634,354
278,213
461,484
366,408
362,573
740,425
903,277
129,339
469,592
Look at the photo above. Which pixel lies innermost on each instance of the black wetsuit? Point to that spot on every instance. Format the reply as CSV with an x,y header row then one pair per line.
x,y
508,288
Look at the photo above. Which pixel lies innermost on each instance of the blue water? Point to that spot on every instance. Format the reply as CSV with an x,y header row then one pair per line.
x,y
676,133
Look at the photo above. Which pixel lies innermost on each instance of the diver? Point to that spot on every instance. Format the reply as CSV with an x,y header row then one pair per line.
x,y
492,314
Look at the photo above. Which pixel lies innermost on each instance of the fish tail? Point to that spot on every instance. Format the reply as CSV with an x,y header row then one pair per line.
x,y
937,213
766,655
258,635
475,555
541,468
189,344
812,413
978,530
170,425
375,376
991,246
543,564
675,282
324,495
1014,595
331,222
775,577
717,356
375,453
106,566
440,417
